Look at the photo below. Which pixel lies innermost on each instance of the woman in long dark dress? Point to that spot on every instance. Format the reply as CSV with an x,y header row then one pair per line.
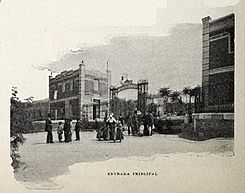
x,y
67,130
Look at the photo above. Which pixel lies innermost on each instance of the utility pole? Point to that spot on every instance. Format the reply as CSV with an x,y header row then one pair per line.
x,y
108,88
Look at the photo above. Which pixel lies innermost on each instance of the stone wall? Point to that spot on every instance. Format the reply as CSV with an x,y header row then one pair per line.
x,y
212,125
212,128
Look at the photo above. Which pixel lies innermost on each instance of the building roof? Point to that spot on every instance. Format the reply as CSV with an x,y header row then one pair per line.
x,y
222,18
92,72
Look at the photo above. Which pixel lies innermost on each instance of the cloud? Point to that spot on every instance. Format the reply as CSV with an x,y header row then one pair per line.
x,y
173,60
221,3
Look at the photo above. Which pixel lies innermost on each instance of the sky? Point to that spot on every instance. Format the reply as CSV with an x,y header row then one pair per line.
x,y
38,33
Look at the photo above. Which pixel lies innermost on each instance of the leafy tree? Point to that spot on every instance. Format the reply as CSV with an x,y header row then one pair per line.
x,y
152,108
19,124
175,96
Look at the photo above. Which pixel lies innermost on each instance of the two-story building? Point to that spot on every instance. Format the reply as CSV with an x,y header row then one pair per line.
x,y
218,63
79,92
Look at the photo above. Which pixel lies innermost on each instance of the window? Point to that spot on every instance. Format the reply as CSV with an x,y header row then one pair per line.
x,y
67,86
55,94
63,87
71,84
96,85
230,37
231,43
219,53
85,110
218,36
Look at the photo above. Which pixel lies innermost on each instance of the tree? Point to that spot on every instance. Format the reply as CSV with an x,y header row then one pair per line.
x,y
191,92
175,96
196,92
187,91
19,123
152,107
165,93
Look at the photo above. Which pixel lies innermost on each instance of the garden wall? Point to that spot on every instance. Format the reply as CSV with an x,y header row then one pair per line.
x,y
209,125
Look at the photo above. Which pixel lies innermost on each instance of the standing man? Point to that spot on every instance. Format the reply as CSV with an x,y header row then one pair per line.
x,y
78,129
135,123
128,122
67,130
151,122
84,123
60,131
144,120
48,128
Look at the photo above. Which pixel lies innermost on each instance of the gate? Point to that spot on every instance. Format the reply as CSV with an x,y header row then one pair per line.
x,y
141,86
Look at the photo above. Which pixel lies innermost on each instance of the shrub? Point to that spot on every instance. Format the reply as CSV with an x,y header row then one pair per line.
x,y
19,124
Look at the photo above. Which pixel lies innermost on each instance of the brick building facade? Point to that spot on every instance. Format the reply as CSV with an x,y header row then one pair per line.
x,y
79,92
218,64
217,117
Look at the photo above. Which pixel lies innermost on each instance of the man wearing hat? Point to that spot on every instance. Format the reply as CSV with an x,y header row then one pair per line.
x,y
48,128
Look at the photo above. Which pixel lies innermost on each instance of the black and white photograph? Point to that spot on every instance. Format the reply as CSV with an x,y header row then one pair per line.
x,y
121,96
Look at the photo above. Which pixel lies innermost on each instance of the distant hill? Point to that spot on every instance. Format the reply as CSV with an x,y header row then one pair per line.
x,y
173,60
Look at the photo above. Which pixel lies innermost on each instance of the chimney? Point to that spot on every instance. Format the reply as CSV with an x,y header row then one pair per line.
x,y
82,64
205,21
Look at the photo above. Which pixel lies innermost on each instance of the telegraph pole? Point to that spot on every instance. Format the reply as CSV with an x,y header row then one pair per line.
x,y
108,88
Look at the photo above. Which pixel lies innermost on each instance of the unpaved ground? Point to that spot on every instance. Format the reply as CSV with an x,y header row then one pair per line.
x,y
43,161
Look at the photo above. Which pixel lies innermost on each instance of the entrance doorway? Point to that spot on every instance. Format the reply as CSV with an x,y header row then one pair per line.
x,y
96,109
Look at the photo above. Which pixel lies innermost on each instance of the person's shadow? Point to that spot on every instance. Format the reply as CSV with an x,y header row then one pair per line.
x,y
42,143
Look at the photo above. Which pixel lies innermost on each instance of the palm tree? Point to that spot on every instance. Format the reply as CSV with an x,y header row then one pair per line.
x,y
175,96
195,92
165,93
187,92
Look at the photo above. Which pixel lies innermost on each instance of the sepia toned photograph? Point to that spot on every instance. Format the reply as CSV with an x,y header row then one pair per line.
x,y
131,88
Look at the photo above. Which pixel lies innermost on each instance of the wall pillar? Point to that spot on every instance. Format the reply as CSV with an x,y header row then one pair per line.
x,y
142,95
81,86
205,61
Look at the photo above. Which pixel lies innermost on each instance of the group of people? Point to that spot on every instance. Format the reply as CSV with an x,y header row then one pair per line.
x,y
137,124
140,124
112,129
65,129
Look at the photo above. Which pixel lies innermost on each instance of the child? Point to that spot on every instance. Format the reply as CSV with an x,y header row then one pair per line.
x,y
60,131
